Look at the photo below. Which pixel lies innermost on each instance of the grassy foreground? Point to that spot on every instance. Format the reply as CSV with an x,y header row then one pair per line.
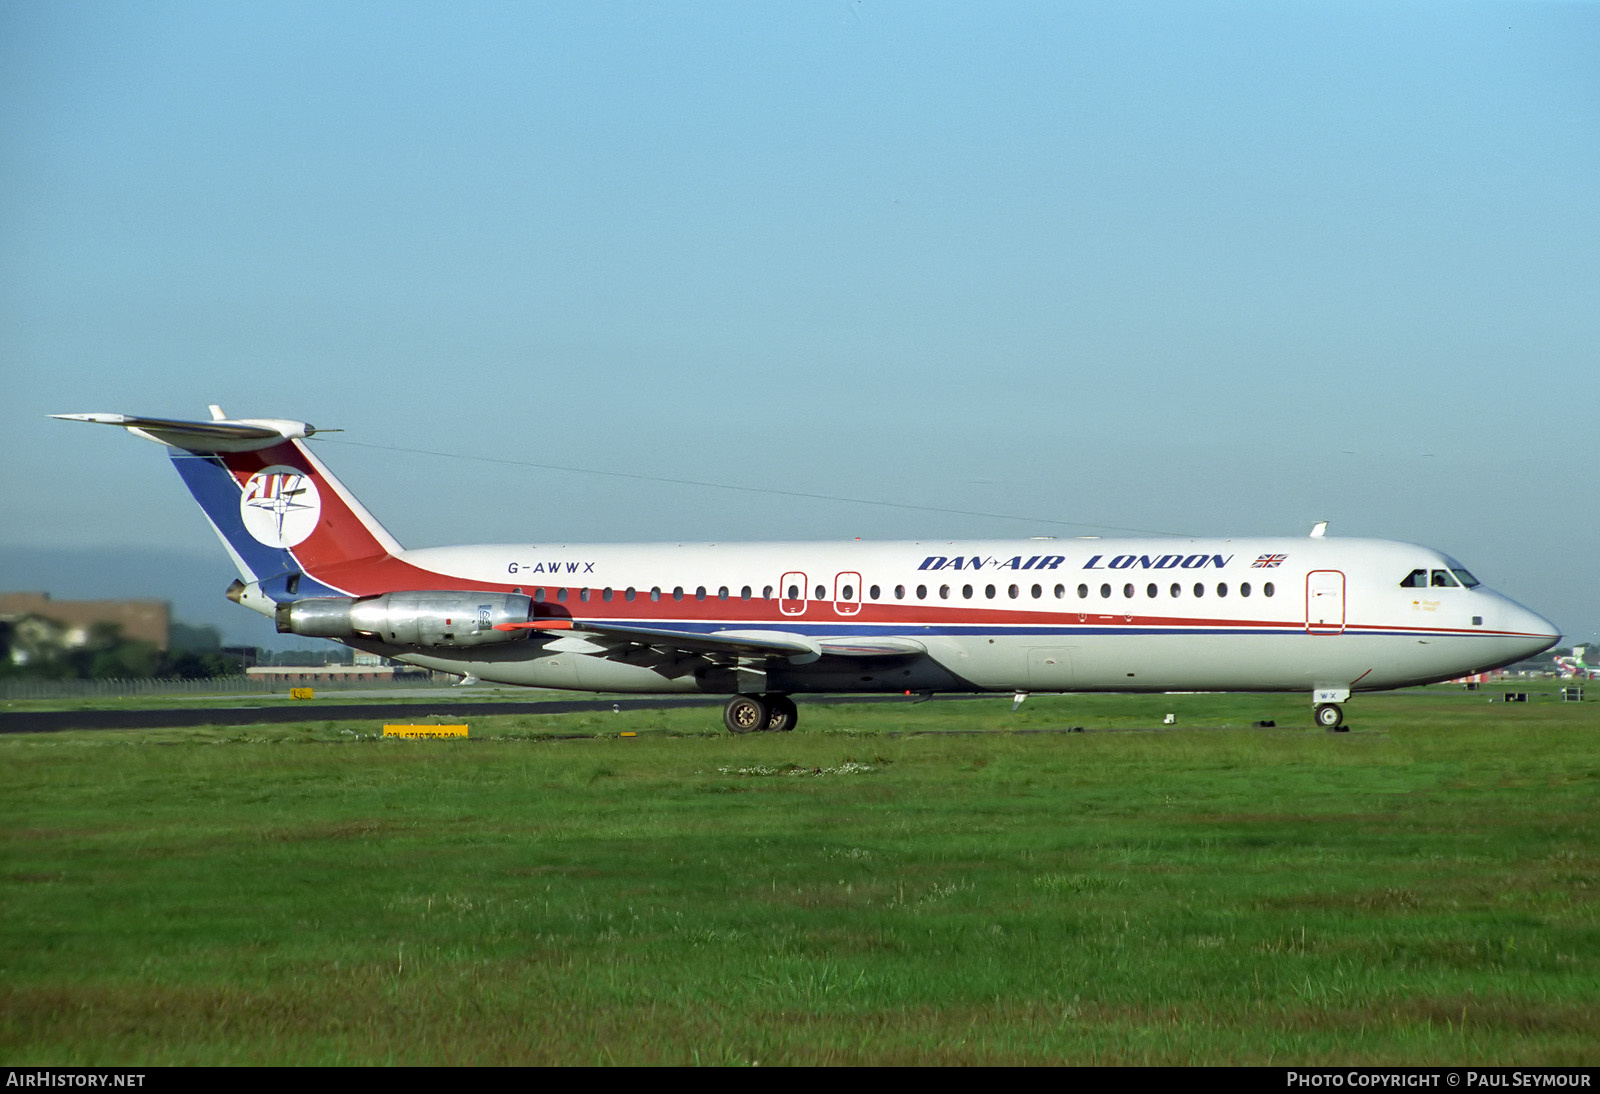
x,y
1423,889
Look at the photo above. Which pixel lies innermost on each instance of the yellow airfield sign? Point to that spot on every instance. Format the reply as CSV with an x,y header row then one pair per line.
x,y
424,731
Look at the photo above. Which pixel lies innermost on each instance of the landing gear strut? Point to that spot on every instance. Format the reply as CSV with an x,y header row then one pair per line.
x,y
748,713
1330,716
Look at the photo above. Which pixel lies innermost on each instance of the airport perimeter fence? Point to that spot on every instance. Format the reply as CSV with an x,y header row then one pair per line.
x,y
20,688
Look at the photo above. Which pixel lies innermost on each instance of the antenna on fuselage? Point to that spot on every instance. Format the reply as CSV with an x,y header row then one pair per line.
x,y
1319,529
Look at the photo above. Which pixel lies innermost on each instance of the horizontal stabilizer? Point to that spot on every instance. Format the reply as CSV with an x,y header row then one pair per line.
x,y
224,435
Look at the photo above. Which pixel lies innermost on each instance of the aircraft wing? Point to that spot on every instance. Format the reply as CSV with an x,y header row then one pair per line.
x,y
747,643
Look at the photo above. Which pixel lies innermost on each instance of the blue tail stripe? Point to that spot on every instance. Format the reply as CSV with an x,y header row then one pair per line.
x,y
217,491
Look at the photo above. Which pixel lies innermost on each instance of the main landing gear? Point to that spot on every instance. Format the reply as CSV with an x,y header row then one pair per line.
x,y
769,713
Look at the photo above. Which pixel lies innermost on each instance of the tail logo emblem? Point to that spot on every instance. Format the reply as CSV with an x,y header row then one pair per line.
x,y
280,506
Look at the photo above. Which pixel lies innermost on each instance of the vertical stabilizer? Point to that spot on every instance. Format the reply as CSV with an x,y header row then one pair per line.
x,y
275,506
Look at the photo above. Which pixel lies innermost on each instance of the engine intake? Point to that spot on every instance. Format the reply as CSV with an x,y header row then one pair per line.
x,y
428,619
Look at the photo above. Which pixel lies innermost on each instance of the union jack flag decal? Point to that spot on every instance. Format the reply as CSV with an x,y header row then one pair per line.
x,y
1267,562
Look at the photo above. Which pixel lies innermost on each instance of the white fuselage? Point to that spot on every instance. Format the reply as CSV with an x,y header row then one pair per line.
x,y
1030,615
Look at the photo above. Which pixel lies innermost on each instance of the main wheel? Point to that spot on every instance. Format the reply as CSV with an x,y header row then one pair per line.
x,y
745,713
782,714
1330,715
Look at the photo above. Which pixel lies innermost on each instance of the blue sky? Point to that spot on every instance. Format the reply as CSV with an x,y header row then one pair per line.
x,y
1196,268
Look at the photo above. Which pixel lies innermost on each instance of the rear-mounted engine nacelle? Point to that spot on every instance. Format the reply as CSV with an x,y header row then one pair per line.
x,y
410,619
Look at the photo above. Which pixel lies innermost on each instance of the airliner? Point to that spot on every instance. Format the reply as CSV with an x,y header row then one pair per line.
x,y
763,622
1573,665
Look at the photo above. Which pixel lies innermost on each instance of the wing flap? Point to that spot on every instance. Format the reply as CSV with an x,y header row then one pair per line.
x,y
749,643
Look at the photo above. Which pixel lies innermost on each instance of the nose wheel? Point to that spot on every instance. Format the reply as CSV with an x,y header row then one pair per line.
x,y
1330,716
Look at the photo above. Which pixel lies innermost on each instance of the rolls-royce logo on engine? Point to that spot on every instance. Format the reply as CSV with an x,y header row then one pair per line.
x,y
280,506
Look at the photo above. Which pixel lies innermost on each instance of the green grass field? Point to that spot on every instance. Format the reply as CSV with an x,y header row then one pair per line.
x,y
867,890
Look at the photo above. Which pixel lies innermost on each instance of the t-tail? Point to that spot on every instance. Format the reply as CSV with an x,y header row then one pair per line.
x,y
292,529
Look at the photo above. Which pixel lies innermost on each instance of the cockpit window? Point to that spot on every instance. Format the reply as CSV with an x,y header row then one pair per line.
x,y
1443,580
1465,578
1416,579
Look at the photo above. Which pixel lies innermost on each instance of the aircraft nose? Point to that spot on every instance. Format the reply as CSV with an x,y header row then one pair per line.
x,y
1535,632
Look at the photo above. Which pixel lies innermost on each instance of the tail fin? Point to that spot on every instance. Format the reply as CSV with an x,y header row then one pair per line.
x,y
276,508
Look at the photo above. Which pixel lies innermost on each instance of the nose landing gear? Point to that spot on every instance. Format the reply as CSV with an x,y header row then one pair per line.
x,y
1328,699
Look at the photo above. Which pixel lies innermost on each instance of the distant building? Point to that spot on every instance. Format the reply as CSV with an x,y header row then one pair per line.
x,y
143,620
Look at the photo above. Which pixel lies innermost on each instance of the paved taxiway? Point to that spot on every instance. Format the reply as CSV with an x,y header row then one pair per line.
x,y
50,721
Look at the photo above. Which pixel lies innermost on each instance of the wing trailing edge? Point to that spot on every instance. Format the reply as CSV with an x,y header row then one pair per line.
x,y
749,643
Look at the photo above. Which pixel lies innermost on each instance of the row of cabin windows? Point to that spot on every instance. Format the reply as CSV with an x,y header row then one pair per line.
x,y
847,592
608,595
1129,591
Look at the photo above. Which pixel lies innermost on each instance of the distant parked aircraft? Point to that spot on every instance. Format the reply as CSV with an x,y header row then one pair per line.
x,y
1573,666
